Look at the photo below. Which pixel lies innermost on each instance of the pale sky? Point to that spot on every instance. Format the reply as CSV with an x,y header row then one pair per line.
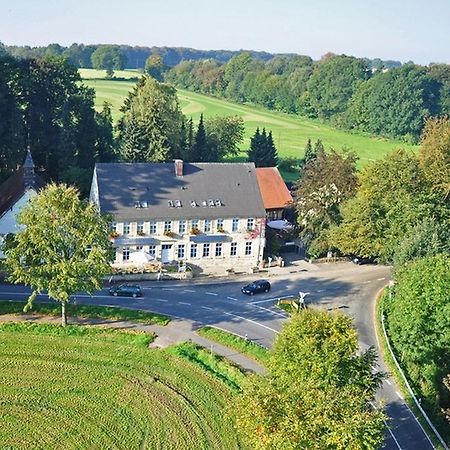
x,y
417,30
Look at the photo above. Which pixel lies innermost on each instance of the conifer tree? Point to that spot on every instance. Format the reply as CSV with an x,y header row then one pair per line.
x,y
255,144
270,157
310,153
318,148
262,149
200,147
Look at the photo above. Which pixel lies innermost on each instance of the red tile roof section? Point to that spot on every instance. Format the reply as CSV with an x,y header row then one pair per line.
x,y
274,191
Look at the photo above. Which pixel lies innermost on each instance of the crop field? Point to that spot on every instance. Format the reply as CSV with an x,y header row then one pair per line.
x,y
93,388
290,132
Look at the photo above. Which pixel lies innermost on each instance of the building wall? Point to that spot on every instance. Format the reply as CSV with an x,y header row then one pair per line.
x,y
8,222
248,237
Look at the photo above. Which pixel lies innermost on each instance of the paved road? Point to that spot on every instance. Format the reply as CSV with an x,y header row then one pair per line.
x,y
344,286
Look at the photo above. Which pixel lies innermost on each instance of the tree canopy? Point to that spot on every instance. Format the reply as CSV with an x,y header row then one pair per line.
x,y
262,149
62,248
318,390
150,127
109,58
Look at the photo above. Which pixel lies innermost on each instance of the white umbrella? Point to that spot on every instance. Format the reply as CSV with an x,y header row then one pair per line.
x,y
141,257
280,225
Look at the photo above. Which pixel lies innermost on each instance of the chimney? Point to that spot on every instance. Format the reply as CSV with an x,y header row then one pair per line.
x,y
178,168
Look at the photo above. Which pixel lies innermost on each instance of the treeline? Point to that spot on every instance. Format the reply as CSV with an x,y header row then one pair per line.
x,y
135,56
44,106
348,91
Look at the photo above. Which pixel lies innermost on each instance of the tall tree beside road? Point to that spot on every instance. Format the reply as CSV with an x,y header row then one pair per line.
x,y
62,248
317,393
325,182
419,326
109,58
150,127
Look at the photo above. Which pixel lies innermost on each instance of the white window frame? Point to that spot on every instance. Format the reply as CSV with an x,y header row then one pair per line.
x,y
248,248
193,251
181,251
235,225
182,227
206,250
167,226
233,249
250,224
207,224
152,227
126,254
126,228
219,249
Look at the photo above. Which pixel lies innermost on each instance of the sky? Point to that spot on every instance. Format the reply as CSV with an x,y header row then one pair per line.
x,y
403,30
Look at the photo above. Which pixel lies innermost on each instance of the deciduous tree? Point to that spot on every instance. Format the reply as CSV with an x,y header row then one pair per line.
x,y
318,390
62,248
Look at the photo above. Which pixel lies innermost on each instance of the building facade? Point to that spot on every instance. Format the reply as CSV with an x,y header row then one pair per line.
x,y
208,215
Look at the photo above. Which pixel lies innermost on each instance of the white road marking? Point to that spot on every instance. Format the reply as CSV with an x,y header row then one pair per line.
x,y
188,290
211,293
251,321
367,281
232,298
320,290
207,307
388,428
400,395
184,303
267,300
168,289
381,279
272,312
388,382
161,300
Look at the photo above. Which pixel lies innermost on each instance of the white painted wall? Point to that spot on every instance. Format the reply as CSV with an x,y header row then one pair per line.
x,y
8,222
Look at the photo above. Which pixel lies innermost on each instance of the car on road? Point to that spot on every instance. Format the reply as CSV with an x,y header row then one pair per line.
x,y
360,261
255,287
126,290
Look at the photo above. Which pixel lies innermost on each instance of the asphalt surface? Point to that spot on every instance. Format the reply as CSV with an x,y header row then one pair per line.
x,y
343,286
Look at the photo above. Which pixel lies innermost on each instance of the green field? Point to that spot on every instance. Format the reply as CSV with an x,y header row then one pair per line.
x,y
94,388
290,132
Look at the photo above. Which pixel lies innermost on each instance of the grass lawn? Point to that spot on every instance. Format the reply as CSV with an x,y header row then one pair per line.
x,y
290,132
87,312
86,387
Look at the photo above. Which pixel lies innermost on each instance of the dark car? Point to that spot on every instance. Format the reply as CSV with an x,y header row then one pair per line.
x,y
359,260
256,286
126,290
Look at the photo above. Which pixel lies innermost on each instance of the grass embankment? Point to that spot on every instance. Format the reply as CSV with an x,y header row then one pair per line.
x,y
86,312
394,372
241,345
86,387
290,132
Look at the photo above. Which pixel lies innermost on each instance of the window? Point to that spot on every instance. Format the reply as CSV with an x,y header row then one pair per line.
x,y
233,250
139,248
182,227
126,254
181,252
152,227
114,227
207,226
140,228
219,224
206,250
235,225
167,226
218,249
152,250
195,223
193,250
250,224
248,248
126,228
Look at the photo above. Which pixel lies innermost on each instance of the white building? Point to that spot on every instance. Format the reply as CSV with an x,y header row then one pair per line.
x,y
15,192
209,215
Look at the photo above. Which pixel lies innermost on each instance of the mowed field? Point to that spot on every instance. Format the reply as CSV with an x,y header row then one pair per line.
x,y
290,132
92,388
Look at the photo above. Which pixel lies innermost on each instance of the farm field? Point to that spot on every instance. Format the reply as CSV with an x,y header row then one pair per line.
x,y
86,387
290,132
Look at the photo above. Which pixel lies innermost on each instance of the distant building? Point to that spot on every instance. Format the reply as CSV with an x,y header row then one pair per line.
x,y
15,192
210,215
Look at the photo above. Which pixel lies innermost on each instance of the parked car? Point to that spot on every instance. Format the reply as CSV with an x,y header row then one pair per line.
x,y
359,260
126,290
255,287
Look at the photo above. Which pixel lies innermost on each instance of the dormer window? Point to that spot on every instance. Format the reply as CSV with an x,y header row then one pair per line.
x,y
218,202
204,203
170,203
211,203
178,203
193,203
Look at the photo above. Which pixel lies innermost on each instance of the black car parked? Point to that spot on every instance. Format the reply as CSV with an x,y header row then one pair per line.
x,y
359,260
126,290
256,286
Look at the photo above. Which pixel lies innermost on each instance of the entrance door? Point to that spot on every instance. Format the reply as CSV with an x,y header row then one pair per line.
x,y
166,253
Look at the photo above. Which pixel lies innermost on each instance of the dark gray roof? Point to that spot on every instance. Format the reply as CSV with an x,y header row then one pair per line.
x,y
140,191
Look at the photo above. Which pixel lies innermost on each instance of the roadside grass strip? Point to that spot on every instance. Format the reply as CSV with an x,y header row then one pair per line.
x,y
86,312
241,345
80,387
395,373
